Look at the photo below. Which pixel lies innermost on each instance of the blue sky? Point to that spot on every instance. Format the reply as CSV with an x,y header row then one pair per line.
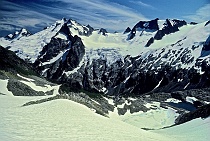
x,y
114,15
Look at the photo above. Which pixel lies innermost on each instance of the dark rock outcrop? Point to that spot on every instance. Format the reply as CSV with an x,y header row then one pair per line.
x,y
130,76
127,30
20,89
73,51
75,54
206,46
207,23
88,30
100,105
21,33
65,30
151,40
151,25
102,31
170,27
144,25
201,112
179,23
193,23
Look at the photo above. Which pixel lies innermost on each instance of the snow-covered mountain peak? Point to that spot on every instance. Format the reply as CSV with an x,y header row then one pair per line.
x,y
77,28
158,27
153,34
18,34
29,46
158,24
67,47
150,25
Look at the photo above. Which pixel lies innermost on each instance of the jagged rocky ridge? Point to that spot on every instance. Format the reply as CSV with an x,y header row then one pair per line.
x,y
73,50
151,26
18,34
138,74
167,69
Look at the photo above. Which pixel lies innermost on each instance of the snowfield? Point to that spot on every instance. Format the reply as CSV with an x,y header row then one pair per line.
x,y
64,120
3,87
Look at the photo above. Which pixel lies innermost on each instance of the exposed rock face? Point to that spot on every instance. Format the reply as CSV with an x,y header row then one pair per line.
x,y
151,25
133,107
144,25
207,23
102,31
127,30
68,54
206,46
179,23
193,23
89,30
75,54
65,30
138,75
151,40
169,28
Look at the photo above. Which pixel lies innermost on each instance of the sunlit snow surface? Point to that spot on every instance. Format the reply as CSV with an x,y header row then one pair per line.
x,y
64,120
3,88
61,120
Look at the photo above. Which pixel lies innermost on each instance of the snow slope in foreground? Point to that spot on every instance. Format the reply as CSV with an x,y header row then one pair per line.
x,y
61,120
195,130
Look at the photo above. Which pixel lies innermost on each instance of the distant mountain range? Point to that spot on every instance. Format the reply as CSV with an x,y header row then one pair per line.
x,y
157,55
155,60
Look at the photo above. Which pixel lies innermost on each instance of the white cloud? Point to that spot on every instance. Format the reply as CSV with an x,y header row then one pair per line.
x,y
17,16
201,15
100,13
140,3
101,6
8,27
113,16
113,8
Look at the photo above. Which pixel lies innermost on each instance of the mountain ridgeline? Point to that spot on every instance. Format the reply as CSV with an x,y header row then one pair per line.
x,y
169,55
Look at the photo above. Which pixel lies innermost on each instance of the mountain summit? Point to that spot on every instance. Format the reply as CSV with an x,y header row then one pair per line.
x,y
157,55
